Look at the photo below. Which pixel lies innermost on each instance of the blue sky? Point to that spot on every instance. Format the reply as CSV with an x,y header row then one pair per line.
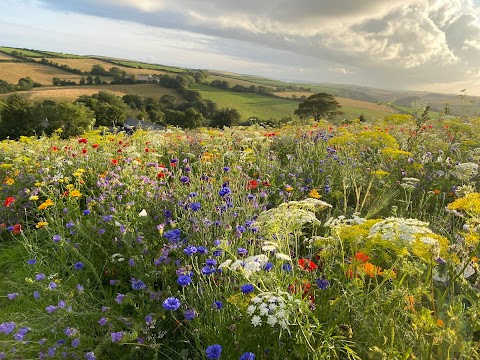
x,y
431,45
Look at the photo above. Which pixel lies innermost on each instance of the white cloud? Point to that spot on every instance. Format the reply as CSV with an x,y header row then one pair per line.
x,y
340,70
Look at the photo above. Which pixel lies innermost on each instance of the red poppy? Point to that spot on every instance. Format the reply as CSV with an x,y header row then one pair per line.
x,y
95,146
82,141
17,228
307,264
114,162
8,201
252,184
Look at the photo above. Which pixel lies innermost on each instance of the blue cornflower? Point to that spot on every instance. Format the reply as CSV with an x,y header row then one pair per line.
x,y
226,168
192,194
69,225
75,343
214,351
116,336
322,283
189,314
217,305
36,294
50,308
107,218
185,179
171,303
268,266
86,212
184,280
217,253
172,235
247,288
52,285
137,284
240,229
247,356
102,321
224,191
12,296
195,206
56,238
208,270
190,250
7,328
32,261
242,251
327,189
287,267
202,250
78,266
149,319
211,262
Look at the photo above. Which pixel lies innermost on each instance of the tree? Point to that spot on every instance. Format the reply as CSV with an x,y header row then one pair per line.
x,y
109,109
319,106
16,118
6,87
73,119
225,118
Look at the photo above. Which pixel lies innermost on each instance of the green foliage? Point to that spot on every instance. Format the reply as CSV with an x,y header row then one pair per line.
x,y
109,109
16,118
225,118
319,106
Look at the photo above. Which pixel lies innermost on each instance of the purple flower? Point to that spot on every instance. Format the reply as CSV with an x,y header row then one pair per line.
x,y
247,356
149,319
12,296
40,277
116,336
322,283
287,267
86,212
50,309
56,238
75,343
70,331
211,262
189,314
102,321
208,270
7,328
171,303
185,179
107,218
172,235
202,250
214,351
247,288
80,288
32,261
137,284
52,285
268,266
36,295
131,262
184,280
78,266
119,298
90,356
70,225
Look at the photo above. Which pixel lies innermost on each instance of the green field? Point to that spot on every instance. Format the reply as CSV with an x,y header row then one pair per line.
x,y
64,55
141,65
249,105
25,52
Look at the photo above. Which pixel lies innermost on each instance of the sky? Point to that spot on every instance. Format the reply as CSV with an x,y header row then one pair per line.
x,y
426,45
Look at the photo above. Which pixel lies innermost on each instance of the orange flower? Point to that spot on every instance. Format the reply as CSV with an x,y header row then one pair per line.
x,y
252,184
372,270
440,323
45,204
410,300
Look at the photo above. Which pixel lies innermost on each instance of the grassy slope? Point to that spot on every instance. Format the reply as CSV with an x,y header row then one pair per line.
x,y
14,71
249,105
23,51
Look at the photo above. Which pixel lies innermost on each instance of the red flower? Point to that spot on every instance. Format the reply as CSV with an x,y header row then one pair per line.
x,y
82,141
360,256
95,146
307,264
17,228
8,201
114,162
252,184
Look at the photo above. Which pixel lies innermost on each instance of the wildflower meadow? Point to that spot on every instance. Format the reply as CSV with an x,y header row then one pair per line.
x,y
309,241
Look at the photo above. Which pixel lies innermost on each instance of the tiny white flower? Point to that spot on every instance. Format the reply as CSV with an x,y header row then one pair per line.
x,y
251,309
237,264
225,264
256,300
284,257
263,311
271,320
256,321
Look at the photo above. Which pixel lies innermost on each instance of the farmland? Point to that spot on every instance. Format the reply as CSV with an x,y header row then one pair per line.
x,y
71,93
14,71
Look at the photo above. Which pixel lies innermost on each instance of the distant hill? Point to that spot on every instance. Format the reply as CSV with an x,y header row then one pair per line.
x,y
17,63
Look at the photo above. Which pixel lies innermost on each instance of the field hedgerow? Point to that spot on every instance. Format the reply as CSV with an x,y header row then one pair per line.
x,y
311,242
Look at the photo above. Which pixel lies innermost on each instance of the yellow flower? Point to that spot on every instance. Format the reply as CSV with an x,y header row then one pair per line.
x,y
288,188
70,187
41,224
314,194
33,198
75,193
46,204
9,181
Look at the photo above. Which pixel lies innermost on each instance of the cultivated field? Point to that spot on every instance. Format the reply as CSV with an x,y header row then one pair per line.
x,y
87,63
14,71
4,56
71,93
